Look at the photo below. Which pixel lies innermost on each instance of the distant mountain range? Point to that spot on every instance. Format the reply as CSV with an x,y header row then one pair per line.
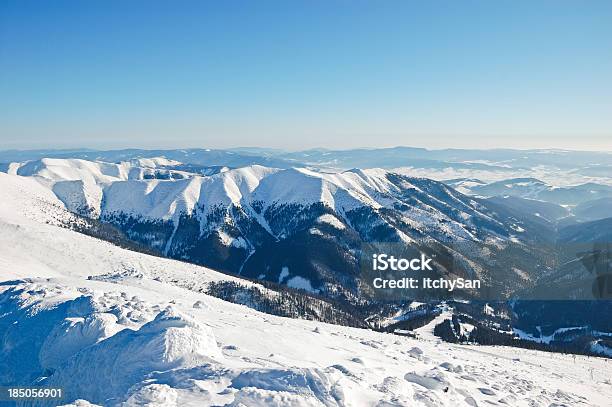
x,y
594,163
532,188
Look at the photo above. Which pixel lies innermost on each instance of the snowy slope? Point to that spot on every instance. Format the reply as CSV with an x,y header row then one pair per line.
x,y
112,326
125,188
29,214
80,184
70,169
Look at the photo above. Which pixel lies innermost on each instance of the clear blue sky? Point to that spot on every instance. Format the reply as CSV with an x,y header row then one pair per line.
x,y
299,74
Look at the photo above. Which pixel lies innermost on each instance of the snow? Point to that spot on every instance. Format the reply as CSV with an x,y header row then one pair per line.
x,y
74,334
551,175
331,220
466,328
170,341
57,169
154,162
192,368
227,240
113,326
301,283
426,331
317,232
543,338
283,274
521,273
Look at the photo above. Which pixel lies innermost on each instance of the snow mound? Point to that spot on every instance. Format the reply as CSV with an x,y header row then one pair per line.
x,y
74,334
172,340
80,403
287,387
154,395
429,381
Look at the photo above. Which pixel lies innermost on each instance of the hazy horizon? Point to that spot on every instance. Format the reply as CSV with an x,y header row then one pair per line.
x,y
285,150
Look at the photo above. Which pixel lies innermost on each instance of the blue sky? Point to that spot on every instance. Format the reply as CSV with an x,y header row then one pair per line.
x,y
300,74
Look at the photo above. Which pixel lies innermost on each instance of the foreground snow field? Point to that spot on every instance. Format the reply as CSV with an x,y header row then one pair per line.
x,y
113,326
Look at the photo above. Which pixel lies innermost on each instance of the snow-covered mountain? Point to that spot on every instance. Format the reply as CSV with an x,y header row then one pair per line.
x,y
116,327
532,188
297,226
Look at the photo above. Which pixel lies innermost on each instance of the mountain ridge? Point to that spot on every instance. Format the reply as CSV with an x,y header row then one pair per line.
x,y
258,221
